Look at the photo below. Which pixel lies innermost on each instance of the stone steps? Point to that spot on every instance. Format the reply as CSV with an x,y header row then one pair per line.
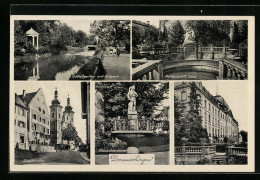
x,y
219,157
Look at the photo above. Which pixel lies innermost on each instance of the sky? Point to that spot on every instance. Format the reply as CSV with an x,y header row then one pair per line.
x,y
154,22
73,89
236,95
83,25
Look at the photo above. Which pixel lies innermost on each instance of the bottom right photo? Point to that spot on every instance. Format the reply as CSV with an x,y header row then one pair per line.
x,y
210,122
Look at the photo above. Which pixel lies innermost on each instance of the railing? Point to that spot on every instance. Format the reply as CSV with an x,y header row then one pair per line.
x,y
152,70
201,150
234,70
129,125
237,151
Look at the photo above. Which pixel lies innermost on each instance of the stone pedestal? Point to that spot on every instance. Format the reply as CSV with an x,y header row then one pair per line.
x,y
132,150
190,51
133,120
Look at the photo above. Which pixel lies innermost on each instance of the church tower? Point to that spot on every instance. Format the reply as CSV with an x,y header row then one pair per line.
x,y
68,114
56,120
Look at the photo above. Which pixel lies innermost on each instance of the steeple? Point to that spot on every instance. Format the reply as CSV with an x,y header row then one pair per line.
x,y
55,100
68,100
68,107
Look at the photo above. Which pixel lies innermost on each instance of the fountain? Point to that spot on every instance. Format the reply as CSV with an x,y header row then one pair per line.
x,y
132,131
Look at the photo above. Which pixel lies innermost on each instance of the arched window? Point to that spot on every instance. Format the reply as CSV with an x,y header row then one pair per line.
x,y
52,115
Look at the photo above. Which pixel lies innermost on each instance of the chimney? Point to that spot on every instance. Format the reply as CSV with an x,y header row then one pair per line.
x,y
24,93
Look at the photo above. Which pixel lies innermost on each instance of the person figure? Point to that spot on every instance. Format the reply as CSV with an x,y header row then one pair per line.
x,y
131,95
118,51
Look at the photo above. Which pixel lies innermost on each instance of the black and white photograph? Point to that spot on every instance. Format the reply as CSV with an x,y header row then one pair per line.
x,y
132,123
210,123
50,123
71,50
190,49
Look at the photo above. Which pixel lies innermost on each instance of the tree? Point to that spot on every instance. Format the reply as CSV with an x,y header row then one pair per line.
x,y
244,135
112,31
187,118
175,34
70,134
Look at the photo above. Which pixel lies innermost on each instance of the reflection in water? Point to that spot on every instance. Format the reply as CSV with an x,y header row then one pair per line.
x,y
47,68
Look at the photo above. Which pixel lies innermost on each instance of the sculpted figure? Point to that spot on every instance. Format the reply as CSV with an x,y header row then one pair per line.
x,y
131,96
189,35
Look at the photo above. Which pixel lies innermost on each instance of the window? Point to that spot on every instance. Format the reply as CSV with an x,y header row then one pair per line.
x,y
34,116
21,138
67,118
23,112
209,106
205,102
34,127
59,114
21,124
43,111
40,119
40,109
183,96
209,118
18,110
52,115
15,122
38,99
48,131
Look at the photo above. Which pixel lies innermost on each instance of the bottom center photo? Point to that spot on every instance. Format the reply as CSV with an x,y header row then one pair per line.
x,y
132,123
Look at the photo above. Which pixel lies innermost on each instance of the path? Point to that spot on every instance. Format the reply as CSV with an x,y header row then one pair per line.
x,y
61,157
117,68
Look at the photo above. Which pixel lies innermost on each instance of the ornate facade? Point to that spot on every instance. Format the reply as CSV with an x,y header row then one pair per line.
x,y
216,114
60,119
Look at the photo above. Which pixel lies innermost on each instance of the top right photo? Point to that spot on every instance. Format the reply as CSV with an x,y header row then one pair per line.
x,y
190,50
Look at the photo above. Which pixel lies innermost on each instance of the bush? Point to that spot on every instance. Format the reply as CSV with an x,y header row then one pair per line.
x,y
203,161
221,147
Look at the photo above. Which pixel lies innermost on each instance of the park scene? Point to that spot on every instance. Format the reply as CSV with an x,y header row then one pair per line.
x,y
71,50
190,49
210,125
49,126
132,118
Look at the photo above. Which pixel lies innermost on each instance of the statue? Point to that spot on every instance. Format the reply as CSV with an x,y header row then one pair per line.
x,y
189,36
131,95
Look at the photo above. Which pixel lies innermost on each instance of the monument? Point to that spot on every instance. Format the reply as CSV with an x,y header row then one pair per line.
x,y
132,113
133,133
189,44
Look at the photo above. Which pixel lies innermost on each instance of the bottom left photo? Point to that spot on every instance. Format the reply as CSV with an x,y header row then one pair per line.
x,y
51,123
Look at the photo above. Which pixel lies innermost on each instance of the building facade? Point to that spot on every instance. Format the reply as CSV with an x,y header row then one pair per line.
x,y
60,120
217,117
56,120
38,120
20,124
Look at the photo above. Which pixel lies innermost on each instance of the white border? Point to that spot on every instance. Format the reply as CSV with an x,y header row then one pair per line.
x,y
155,168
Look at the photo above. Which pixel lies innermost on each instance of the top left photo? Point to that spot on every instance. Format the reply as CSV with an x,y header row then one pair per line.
x,y
71,50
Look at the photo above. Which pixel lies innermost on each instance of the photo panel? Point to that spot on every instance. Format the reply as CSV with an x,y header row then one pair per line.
x,y
67,49
188,49
50,124
212,123
132,123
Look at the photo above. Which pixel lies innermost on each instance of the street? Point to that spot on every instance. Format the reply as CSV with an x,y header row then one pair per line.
x,y
61,157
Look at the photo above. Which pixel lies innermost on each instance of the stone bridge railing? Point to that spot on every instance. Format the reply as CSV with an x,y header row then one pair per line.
x,y
151,70
236,151
201,150
125,125
231,69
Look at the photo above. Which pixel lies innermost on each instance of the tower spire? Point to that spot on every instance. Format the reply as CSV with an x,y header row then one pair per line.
x,y
56,93
68,100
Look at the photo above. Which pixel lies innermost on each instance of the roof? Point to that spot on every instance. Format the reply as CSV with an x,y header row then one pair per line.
x,y
31,32
222,101
19,102
28,97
